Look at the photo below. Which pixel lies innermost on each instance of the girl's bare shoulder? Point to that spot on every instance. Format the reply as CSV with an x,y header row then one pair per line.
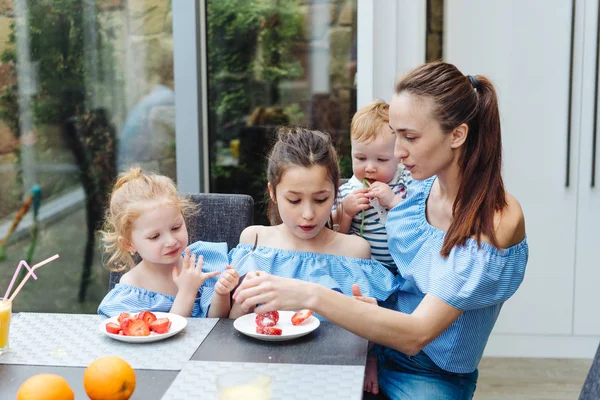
x,y
352,246
249,234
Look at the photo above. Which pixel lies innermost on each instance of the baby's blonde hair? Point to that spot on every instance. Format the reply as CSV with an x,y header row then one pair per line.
x,y
367,121
132,189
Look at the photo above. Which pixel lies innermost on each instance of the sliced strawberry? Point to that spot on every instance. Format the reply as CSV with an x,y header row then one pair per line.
x,y
301,316
111,327
121,333
135,327
122,316
268,330
147,316
161,325
267,319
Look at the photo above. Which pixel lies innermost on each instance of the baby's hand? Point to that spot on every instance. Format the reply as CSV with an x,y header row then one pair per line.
x,y
355,202
383,192
227,282
190,276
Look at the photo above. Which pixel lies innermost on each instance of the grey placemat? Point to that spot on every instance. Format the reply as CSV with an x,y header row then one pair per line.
x,y
75,340
197,380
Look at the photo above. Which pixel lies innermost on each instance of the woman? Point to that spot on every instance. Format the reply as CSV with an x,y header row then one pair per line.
x,y
458,241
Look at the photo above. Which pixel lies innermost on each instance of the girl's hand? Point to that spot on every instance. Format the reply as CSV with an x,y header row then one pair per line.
x,y
272,293
383,192
355,202
189,277
227,282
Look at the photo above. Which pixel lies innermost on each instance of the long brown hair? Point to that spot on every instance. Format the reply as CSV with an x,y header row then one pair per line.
x,y
300,147
459,99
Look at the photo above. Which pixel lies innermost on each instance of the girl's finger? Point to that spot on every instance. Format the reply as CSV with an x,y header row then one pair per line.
x,y
211,274
186,257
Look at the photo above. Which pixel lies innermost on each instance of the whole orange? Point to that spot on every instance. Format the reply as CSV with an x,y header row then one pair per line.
x,y
45,387
109,378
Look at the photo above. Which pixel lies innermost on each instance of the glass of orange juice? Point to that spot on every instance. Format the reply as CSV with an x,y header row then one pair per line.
x,y
5,311
243,385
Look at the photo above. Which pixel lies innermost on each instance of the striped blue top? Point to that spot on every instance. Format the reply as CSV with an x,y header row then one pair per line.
x,y
375,216
332,271
127,298
476,279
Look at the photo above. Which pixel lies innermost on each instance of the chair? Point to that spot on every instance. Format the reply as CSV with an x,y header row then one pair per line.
x,y
591,386
221,218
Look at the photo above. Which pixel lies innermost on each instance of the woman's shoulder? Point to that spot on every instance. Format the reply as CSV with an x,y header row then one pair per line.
x,y
352,246
509,224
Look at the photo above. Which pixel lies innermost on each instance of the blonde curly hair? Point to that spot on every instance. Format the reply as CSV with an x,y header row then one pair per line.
x,y
132,189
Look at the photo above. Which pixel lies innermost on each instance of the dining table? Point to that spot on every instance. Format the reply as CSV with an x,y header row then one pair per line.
x,y
328,363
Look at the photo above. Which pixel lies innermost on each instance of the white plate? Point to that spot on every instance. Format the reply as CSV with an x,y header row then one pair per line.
x,y
246,324
178,323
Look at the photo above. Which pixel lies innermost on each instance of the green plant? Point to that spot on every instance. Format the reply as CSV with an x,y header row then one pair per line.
x,y
250,46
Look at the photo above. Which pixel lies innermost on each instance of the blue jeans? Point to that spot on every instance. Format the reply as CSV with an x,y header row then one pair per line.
x,y
417,377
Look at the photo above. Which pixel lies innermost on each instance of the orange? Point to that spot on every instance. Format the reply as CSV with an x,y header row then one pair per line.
x,y
109,378
45,387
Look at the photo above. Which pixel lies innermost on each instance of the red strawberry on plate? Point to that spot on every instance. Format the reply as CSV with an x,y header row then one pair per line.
x,y
122,316
111,327
301,316
135,327
161,325
269,330
147,316
267,319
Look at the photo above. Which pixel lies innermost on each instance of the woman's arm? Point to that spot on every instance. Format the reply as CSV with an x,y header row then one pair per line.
x,y
403,332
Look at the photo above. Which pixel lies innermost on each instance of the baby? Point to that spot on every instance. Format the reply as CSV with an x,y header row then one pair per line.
x,y
372,161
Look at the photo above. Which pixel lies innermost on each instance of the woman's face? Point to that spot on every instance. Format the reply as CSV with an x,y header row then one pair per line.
x,y
420,143
304,197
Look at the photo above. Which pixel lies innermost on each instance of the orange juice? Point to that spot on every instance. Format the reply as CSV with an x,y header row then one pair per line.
x,y
5,311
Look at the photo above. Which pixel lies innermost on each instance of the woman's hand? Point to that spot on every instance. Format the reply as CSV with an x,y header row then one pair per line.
x,y
189,277
272,293
227,281
358,296
383,192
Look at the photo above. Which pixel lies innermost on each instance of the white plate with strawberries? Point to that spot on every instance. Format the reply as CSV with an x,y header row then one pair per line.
x,y
277,325
143,327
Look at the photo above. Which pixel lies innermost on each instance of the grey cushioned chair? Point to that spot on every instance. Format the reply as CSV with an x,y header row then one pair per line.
x,y
221,218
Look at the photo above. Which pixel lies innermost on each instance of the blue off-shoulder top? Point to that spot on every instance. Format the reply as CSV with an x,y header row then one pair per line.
x,y
127,298
332,271
476,278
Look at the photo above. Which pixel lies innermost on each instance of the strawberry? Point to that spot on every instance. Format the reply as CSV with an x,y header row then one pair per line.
x,y
111,327
135,327
268,330
301,316
161,325
122,316
121,333
267,319
147,316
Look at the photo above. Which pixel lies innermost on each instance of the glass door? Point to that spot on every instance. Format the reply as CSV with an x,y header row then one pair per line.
x,y
271,63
